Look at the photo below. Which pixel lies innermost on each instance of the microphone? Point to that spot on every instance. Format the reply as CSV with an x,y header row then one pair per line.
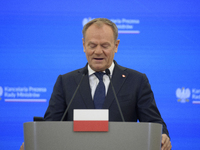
x,y
122,116
85,71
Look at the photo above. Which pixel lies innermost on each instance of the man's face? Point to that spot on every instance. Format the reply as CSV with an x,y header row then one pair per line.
x,y
100,47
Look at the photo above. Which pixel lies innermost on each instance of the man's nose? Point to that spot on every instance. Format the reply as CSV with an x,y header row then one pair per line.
x,y
98,50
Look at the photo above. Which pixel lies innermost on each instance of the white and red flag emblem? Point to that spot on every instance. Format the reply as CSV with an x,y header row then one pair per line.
x,y
91,120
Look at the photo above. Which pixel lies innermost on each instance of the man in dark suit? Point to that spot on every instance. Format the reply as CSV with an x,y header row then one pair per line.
x,y
132,88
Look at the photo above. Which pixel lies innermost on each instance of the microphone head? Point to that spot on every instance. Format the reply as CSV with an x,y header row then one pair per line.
x,y
107,71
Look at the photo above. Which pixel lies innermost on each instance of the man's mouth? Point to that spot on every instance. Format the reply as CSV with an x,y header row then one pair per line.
x,y
98,58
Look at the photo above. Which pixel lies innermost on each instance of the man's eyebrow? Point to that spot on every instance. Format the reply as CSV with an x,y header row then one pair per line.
x,y
106,43
91,43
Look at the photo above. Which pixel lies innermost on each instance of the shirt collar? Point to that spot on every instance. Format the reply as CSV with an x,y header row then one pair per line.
x,y
111,68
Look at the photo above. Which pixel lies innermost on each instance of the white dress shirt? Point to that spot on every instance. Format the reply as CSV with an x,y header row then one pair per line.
x,y
94,80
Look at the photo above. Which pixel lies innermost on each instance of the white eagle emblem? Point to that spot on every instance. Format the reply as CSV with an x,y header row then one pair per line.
x,y
1,91
183,94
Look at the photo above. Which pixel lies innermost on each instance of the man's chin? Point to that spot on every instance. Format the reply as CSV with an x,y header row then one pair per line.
x,y
98,68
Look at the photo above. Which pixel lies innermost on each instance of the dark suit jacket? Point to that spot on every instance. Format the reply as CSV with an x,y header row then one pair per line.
x,y
132,89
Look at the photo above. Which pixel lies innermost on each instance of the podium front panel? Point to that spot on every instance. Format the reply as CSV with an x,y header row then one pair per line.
x,y
121,136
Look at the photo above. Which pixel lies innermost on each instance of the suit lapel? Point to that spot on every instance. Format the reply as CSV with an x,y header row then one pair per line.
x,y
84,89
118,78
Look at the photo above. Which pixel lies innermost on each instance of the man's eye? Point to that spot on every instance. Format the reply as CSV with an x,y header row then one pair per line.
x,y
92,45
105,46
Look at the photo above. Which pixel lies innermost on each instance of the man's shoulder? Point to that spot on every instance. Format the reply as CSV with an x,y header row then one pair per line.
x,y
73,73
130,70
70,76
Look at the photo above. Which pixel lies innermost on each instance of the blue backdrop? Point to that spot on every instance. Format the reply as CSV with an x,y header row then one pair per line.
x,y
41,39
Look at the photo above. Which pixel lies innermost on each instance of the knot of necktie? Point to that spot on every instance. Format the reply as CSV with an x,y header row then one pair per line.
x,y
99,75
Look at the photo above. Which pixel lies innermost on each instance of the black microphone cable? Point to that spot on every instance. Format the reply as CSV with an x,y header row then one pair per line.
x,y
85,71
108,73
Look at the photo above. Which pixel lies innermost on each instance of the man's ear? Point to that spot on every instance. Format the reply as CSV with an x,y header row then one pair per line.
x,y
116,45
83,44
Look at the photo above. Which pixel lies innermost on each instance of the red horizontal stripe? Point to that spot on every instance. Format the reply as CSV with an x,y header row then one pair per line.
x,y
91,126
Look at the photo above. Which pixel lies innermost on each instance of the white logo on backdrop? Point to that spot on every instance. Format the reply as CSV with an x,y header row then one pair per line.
x,y
183,95
1,91
125,26
86,20
23,94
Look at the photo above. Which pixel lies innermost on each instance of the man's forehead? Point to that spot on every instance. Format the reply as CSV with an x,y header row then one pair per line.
x,y
98,42
93,30
101,26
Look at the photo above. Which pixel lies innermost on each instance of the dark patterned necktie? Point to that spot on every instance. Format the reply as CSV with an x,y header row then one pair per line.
x,y
99,95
